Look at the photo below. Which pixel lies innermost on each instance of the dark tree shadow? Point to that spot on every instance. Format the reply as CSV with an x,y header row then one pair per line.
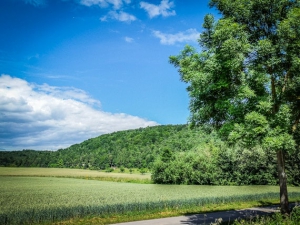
x,y
228,217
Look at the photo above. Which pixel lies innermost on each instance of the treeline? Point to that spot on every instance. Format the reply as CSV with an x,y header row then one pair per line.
x,y
137,148
216,163
175,154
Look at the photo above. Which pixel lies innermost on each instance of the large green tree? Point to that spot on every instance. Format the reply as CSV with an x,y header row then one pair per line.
x,y
245,81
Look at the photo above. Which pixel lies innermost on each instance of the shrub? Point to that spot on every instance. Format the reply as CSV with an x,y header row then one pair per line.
x,y
122,169
109,170
143,170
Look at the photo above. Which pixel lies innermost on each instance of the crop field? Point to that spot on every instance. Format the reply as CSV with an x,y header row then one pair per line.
x,y
71,173
27,200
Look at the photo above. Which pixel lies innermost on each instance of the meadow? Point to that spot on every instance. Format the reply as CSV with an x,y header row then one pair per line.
x,y
29,200
116,176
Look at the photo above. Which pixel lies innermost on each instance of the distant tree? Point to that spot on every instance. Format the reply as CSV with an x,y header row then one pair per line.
x,y
122,169
246,80
131,170
60,163
143,171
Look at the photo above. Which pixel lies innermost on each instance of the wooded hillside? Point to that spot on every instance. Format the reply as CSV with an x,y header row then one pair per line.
x,y
174,154
132,148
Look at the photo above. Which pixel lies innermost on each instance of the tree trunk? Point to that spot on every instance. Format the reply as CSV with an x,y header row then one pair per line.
x,y
284,202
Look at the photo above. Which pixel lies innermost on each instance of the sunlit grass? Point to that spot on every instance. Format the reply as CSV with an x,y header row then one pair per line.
x,y
37,199
76,173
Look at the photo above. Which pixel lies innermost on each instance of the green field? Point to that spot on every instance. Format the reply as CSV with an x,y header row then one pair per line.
x,y
35,195
71,173
27,200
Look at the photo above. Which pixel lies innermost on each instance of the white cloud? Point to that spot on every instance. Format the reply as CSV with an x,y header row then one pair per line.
x,y
117,4
164,8
35,2
120,16
66,93
171,39
101,3
104,18
46,117
129,39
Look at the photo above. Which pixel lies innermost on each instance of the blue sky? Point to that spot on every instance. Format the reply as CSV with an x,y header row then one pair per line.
x,y
75,69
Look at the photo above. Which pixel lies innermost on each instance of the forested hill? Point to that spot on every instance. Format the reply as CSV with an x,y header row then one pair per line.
x,y
132,148
175,154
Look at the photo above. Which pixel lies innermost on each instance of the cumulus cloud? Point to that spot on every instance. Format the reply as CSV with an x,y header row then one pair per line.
x,y
45,117
117,4
120,16
35,2
164,8
171,39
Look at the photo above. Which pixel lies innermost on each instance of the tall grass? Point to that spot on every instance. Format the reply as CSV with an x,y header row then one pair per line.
x,y
27,200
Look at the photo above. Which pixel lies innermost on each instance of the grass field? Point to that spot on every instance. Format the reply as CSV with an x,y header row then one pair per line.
x,y
75,173
37,195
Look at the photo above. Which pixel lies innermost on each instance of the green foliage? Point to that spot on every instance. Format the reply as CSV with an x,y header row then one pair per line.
x,y
245,80
293,167
222,165
189,168
28,158
132,149
246,72
180,155
60,163
166,155
143,171
292,219
122,169
109,170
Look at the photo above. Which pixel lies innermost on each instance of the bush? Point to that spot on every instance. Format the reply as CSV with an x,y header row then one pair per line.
x,y
193,167
217,165
122,169
109,170
143,170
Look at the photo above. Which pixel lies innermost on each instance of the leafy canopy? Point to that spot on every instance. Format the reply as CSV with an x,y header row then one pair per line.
x,y
246,79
